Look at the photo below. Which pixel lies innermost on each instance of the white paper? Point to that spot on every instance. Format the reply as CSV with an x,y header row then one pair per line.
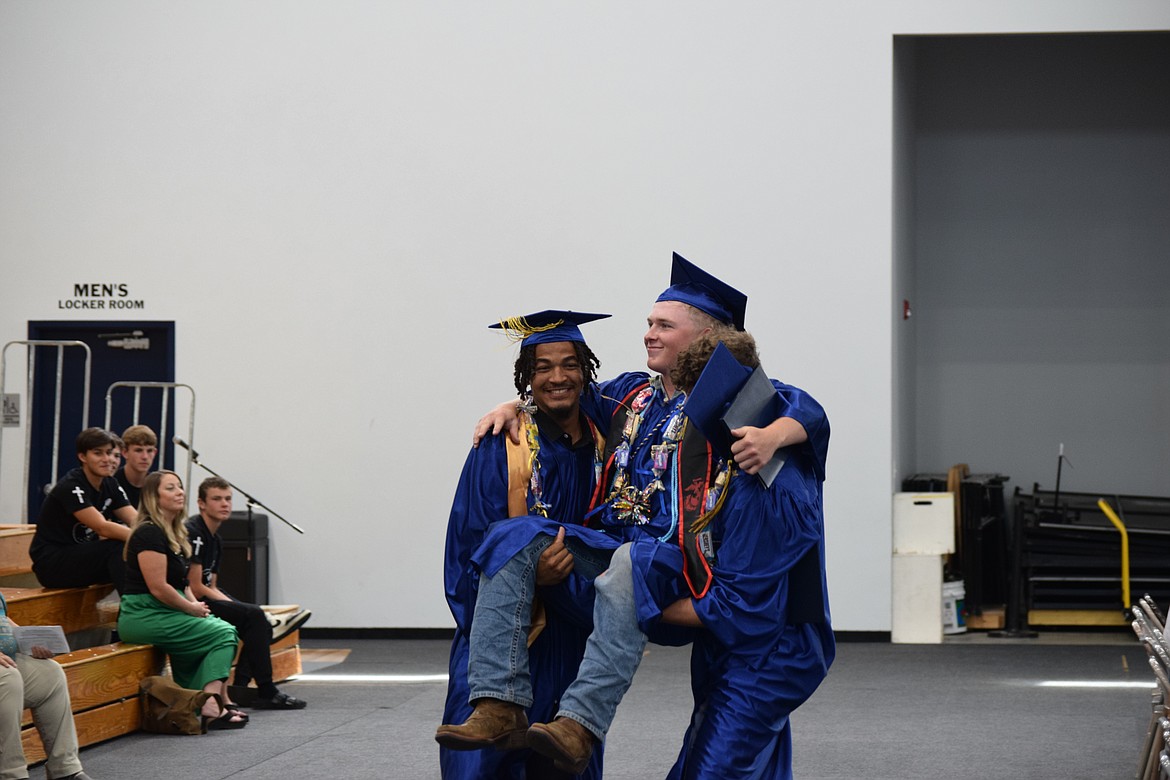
x,y
50,637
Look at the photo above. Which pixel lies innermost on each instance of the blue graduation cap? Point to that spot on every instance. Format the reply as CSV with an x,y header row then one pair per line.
x,y
692,285
547,326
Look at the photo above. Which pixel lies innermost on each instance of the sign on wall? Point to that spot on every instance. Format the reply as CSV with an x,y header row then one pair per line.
x,y
11,410
91,296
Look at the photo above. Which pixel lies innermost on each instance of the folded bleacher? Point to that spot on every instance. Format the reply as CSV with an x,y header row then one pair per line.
x,y
1072,557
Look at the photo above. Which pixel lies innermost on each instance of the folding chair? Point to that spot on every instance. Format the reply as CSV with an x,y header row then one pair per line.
x,y
1154,745
1155,616
1164,756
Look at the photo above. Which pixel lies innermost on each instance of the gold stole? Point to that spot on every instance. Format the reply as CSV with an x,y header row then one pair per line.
x,y
519,477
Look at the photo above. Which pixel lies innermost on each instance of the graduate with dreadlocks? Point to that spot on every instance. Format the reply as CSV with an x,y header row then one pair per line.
x,y
549,474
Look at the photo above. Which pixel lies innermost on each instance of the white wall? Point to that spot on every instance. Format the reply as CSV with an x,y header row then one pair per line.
x,y
1043,178
332,200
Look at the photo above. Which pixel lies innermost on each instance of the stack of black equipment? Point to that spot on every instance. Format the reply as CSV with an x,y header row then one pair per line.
x,y
1072,552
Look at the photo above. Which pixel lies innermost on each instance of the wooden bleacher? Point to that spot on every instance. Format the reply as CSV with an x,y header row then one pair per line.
x,y
103,680
14,543
286,657
103,687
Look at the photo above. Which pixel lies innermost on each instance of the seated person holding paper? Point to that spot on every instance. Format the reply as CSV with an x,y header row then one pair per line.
x,y
33,680
749,573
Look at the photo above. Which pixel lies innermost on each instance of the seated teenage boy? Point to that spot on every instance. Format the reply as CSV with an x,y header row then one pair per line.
x,y
84,522
139,447
252,623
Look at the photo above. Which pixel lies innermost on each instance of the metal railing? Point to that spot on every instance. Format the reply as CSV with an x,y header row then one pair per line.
x,y
164,437
29,387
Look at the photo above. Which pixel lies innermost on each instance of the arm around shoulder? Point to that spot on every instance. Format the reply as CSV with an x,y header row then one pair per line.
x,y
505,416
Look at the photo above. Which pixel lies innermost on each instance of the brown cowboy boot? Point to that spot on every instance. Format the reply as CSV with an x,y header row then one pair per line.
x,y
565,741
494,724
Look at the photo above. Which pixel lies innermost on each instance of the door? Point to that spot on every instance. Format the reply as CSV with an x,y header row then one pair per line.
x,y
122,351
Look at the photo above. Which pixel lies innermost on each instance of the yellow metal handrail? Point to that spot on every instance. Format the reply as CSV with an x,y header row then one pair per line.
x,y
1113,518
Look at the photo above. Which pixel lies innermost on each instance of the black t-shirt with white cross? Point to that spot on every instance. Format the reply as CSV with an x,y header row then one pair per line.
x,y
133,494
148,537
58,527
205,547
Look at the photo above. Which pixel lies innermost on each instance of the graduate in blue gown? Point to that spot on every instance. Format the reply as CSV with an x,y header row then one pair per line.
x,y
752,600
693,304
564,474
752,665
766,640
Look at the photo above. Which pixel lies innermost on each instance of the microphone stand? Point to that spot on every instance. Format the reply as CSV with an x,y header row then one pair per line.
x,y
1015,624
247,497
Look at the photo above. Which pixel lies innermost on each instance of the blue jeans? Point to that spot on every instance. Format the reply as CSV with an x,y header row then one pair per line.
x,y
497,666
612,654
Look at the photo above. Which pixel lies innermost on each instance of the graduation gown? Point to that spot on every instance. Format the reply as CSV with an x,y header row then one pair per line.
x,y
602,403
751,665
481,502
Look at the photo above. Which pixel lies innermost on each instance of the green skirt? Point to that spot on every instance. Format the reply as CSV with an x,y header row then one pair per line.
x,y
201,649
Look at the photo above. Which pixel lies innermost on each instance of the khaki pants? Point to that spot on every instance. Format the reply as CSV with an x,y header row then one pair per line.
x,y
39,685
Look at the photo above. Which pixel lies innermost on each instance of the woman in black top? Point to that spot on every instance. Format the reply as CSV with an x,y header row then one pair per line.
x,y
157,609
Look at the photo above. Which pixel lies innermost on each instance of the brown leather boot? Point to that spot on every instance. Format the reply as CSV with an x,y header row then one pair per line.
x,y
565,741
494,724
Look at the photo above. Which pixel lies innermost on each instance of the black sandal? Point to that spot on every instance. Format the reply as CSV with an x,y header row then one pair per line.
x,y
281,701
235,708
223,721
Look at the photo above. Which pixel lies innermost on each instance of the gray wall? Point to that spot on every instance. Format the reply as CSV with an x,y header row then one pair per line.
x,y
1042,257
905,357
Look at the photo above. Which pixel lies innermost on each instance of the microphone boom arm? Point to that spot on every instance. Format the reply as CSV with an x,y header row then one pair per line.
x,y
252,501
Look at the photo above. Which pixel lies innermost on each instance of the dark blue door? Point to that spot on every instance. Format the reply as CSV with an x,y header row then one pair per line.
x,y
121,352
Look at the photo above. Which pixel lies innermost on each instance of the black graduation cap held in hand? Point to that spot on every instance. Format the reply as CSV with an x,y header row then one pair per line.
x,y
729,395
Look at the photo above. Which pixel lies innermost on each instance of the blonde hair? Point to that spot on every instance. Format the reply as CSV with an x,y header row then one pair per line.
x,y
149,511
702,320
139,434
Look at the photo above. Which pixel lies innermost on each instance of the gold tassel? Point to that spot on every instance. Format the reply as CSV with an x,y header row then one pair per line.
x,y
518,329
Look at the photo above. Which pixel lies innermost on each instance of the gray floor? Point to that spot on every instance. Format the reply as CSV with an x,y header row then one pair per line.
x,y
970,708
